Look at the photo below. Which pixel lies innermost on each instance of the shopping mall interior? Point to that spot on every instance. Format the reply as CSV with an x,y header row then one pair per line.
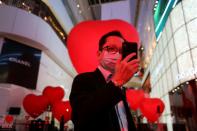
x,y
36,59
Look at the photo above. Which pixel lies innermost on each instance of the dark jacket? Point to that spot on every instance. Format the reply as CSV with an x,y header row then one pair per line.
x,y
93,103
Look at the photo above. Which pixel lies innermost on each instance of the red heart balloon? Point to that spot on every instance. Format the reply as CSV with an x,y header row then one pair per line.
x,y
35,105
135,98
83,41
62,108
9,119
152,108
53,94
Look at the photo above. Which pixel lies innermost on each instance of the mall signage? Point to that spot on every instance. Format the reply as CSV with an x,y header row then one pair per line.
x,y
19,64
187,73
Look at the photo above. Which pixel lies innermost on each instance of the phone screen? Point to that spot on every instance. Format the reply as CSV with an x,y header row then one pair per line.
x,y
128,48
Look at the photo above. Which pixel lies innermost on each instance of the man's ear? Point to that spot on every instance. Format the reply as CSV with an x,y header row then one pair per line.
x,y
98,53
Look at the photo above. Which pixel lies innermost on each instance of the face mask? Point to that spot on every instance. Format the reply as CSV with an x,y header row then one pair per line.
x,y
108,61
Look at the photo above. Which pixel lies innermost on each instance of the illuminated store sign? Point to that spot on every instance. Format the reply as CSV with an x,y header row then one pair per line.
x,y
19,64
19,61
188,73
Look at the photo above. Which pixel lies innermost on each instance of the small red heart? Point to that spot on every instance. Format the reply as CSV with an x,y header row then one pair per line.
x,y
35,105
9,119
62,108
53,94
152,108
134,98
83,41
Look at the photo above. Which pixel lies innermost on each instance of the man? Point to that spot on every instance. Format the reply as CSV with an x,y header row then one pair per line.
x,y
98,103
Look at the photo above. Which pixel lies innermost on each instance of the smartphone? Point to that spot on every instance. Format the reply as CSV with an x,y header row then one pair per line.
x,y
128,48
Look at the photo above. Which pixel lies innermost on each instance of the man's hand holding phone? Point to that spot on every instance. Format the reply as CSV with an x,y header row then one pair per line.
x,y
127,66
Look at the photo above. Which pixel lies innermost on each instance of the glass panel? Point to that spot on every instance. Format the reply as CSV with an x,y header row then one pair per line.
x,y
164,37
166,59
172,55
194,54
165,84
160,47
181,41
189,7
169,79
177,17
168,29
175,74
192,32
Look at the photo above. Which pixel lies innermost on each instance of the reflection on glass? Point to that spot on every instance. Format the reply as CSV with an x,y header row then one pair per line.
x,y
183,100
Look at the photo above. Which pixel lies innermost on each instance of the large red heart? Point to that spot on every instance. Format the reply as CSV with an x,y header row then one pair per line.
x,y
60,109
9,119
83,40
53,94
134,98
152,108
35,105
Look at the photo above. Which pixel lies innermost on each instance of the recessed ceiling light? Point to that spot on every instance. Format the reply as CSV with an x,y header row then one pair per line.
x,y
78,5
156,1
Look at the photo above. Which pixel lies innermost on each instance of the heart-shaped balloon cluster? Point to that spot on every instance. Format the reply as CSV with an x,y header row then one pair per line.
x,y
151,108
51,96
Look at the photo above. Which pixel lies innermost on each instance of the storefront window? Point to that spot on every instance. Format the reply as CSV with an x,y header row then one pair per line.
x,y
183,102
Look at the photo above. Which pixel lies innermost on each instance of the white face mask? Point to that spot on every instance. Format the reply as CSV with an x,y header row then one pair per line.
x,y
108,61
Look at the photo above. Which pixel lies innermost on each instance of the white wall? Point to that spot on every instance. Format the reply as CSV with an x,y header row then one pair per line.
x,y
116,10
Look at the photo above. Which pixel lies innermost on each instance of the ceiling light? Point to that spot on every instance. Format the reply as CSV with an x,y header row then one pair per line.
x,y
187,82
78,5
45,18
80,11
0,2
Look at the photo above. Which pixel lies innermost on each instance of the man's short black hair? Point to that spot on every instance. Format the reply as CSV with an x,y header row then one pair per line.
x,y
104,38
